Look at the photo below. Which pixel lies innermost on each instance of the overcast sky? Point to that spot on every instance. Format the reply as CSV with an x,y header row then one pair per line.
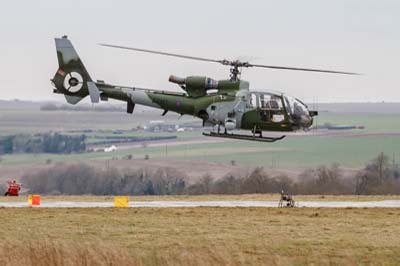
x,y
349,35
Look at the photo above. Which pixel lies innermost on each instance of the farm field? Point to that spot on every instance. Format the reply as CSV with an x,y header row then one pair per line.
x,y
35,121
200,236
293,152
351,149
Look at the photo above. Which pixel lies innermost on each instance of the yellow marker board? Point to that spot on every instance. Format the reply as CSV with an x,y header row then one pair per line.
x,y
30,199
121,202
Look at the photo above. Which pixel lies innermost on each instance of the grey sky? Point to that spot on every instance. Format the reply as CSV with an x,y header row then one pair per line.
x,y
360,36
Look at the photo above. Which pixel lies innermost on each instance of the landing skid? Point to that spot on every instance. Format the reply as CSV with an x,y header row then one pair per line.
x,y
242,137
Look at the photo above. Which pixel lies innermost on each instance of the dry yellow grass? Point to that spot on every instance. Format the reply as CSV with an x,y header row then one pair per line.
x,y
200,236
47,252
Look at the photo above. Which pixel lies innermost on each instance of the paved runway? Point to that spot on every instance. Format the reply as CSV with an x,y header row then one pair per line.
x,y
188,204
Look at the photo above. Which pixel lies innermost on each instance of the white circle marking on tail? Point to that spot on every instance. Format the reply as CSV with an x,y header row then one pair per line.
x,y
73,82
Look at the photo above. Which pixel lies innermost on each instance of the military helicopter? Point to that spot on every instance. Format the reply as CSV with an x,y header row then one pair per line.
x,y
223,103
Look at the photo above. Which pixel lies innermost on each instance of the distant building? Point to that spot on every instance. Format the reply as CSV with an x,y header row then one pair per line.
x,y
161,126
110,149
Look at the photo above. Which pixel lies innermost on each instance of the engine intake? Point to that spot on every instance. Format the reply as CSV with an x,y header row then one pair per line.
x,y
177,80
195,86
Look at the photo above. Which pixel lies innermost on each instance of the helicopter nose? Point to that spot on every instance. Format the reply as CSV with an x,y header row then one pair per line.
x,y
306,121
303,122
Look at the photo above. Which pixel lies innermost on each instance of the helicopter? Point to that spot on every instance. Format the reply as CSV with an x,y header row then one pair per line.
x,y
218,103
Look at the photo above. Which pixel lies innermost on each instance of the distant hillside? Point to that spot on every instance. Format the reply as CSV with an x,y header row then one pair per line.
x,y
82,108
14,105
373,108
19,105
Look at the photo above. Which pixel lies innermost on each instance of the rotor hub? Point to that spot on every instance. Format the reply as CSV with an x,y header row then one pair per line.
x,y
235,73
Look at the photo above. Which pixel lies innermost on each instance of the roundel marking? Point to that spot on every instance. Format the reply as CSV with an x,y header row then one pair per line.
x,y
73,82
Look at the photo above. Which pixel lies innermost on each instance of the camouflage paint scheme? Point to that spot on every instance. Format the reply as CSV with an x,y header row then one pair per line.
x,y
226,103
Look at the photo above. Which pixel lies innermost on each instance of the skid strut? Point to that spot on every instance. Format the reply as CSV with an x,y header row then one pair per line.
x,y
242,137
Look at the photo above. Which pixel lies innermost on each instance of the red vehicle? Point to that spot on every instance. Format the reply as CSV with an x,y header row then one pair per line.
x,y
13,188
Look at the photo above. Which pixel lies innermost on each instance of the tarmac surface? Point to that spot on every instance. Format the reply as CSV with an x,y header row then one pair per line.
x,y
188,204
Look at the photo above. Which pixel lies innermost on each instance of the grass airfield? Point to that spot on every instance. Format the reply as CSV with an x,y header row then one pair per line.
x,y
204,235
200,236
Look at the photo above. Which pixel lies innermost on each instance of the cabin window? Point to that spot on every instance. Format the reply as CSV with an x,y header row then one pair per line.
x,y
253,100
270,102
271,108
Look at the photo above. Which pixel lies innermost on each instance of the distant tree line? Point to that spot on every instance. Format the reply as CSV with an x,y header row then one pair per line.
x,y
42,143
79,179
81,108
378,177
107,140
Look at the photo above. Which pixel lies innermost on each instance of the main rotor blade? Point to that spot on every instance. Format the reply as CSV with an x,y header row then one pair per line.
x,y
235,63
162,53
304,69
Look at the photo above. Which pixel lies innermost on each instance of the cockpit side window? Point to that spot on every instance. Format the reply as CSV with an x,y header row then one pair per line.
x,y
270,102
253,101
271,108
288,105
295,107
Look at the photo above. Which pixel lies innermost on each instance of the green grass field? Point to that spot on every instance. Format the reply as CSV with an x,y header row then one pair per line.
x,y
292,152
372,122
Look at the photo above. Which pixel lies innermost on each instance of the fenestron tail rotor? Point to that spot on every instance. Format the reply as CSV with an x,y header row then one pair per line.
x,y
73,82
235,65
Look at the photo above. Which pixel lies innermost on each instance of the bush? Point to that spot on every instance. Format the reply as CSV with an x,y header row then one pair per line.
x,y
79,179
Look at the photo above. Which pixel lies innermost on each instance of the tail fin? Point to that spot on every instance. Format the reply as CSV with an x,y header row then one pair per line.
x,y
72,78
